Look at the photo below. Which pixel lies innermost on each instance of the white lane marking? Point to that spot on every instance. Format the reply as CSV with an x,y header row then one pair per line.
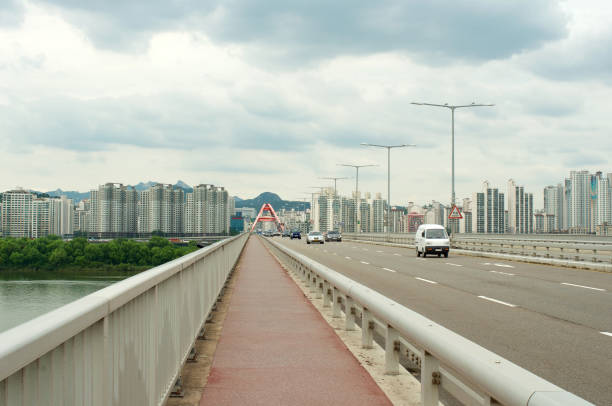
x,y
353,247
365,263
324,250
365,249
347,257
390,270
421,259
399,255
450,263
504,265
497,301
378,251
335,253
502,273
581,286
606,333
425,280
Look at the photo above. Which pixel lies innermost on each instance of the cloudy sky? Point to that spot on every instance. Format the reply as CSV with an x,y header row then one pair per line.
x,y
270,96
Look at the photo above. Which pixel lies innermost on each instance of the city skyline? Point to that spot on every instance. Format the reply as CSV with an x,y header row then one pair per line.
x,y
220,93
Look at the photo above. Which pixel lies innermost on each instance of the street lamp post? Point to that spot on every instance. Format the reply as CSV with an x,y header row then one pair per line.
x,y
335,180
452,109
357,202
388,147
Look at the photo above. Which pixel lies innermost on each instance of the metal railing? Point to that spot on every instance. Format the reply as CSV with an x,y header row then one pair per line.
x,y
122,345
470,373
569,249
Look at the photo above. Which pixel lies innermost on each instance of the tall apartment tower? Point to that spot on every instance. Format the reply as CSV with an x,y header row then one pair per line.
x,y
161,209
208,209
17,214
113,209
488,210
520,209
378,214
600,199
553,205
580,202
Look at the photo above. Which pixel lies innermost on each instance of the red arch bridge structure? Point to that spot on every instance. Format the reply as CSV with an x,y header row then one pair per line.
x,y
267,213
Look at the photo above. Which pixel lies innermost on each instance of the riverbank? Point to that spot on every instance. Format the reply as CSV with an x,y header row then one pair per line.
x,y
72,273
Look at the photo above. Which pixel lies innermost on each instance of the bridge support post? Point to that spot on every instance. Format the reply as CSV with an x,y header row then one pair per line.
x,y
326,294
367,329
349,309
392,351
430,380
336,303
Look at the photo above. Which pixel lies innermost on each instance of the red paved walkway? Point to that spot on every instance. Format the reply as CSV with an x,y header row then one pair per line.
x,y
276,349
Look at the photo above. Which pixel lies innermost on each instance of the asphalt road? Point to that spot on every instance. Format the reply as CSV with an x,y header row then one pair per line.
x,y
554,322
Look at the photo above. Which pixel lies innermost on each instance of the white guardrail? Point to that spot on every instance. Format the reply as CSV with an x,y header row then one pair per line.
x,y
469,372
122,345
573,249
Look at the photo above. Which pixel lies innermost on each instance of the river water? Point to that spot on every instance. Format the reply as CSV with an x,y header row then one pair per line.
x,y
21,301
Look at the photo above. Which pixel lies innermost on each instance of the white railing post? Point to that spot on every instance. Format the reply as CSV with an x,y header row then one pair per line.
x,y
349,309
326,294
367,329
430,379
336,303
392,351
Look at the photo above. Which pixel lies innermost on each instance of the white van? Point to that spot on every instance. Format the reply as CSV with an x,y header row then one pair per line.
x,y
431,239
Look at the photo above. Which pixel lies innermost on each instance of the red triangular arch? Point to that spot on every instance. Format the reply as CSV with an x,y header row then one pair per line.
x,y
272,217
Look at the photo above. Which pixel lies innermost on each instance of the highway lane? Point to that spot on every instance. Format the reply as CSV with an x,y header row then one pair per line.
x,y
551,321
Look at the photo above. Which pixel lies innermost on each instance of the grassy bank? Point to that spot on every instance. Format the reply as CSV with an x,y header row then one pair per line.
x,y
72,273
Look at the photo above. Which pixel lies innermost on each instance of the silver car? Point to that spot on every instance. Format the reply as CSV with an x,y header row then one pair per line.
x,y
315,236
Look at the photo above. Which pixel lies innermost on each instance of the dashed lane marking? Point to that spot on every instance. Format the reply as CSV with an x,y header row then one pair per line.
x,y
450,263
606,333
390,270
365,249
425,280
398,255
324,250
365,263
582,286
378,251
497,301
502,273
504,265
347,257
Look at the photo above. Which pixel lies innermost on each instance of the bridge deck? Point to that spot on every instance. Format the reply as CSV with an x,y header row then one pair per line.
x,y
276,349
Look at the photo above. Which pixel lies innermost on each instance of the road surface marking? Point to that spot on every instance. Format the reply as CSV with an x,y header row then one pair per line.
x,y
504,265
390,270
421,259
365,263
378,251
426,280
399,255
450,263
502,273
347,257
324,250
335,253
353,247
497,301
606,333
581,286
365,249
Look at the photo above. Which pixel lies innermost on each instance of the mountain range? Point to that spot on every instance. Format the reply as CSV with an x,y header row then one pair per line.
x,y
272,198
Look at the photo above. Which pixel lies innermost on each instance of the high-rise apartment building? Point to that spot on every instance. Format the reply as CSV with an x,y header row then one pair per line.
x,y
488,210
378,214
17,214
113,210
580,202
520,209
553,205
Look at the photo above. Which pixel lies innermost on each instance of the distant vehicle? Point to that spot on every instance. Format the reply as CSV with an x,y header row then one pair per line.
x,y
431,239
296,234
286,233
333,236
268,234
315,236
276,233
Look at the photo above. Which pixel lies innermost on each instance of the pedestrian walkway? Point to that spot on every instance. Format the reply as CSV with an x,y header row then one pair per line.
x,y
276,349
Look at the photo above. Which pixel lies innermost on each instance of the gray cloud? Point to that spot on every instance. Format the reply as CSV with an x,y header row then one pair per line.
x,y
295,32
11,13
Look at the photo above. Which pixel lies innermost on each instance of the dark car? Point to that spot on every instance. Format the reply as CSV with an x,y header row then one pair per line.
x,y
296,234
333,236
286,234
